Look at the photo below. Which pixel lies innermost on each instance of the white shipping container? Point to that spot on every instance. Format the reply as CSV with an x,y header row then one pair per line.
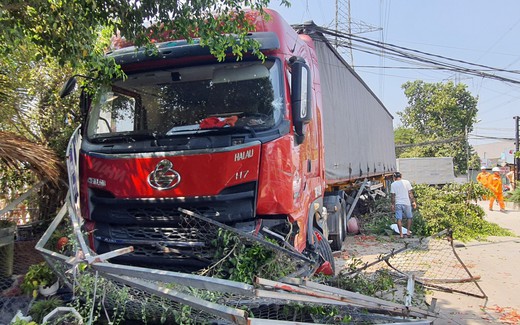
x,y
428,170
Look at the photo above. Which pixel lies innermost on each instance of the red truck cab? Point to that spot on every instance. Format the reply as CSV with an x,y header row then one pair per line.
x,y
239,142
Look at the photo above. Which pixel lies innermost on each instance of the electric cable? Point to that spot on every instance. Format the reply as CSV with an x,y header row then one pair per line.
x,y
410,56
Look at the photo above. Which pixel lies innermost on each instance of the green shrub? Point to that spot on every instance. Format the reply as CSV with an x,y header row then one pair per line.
x,y
41,308
19,321
242,260
452,206
380,217
39,274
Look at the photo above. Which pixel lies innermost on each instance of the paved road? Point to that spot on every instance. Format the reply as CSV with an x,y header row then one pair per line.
x,y
497,262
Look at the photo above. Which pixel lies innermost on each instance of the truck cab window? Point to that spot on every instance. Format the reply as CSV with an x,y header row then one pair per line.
x,y
116,113
189,100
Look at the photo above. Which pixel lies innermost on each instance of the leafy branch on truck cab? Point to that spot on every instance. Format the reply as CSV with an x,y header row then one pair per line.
x,y
69,30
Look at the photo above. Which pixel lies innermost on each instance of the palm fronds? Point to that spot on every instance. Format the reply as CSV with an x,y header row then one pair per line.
x,y
17,152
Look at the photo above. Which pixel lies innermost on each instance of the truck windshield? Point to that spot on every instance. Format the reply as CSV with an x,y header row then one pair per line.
x,y
161,103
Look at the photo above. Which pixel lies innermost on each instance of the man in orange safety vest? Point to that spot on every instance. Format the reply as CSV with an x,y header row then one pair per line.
x,y
495,185
483,176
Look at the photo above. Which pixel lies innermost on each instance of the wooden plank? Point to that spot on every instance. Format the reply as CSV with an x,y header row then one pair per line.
x,y
114,253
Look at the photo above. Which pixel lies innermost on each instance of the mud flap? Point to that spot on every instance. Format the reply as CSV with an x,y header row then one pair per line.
x,y
325,269
324,252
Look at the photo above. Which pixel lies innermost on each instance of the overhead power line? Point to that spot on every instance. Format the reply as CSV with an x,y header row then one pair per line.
x,y
491,137
441,141
416,57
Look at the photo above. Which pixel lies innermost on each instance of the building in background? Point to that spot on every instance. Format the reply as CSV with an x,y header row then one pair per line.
x,y
499,153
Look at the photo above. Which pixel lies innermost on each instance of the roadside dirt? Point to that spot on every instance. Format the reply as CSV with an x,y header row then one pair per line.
x,y
496,261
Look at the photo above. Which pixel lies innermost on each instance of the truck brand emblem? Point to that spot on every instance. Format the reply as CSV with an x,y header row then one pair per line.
x,y
164,177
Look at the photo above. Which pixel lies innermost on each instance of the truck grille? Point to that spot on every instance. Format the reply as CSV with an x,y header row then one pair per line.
x,y
162,236
182,235
150,255
174,248
227,208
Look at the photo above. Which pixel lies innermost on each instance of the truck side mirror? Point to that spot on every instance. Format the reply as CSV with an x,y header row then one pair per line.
x,y
84,99
68,87
300,95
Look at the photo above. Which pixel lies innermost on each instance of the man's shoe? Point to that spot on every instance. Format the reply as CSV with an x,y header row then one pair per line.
x,y
502,210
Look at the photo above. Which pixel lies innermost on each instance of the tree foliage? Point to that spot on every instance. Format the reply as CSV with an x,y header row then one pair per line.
x,y
42,42
35,126
410,140
68,30
438,115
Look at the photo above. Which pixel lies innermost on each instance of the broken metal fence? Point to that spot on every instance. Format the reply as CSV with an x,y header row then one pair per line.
x,y
161,296
432,262
119,292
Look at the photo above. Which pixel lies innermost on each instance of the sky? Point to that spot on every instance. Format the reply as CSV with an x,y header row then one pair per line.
x,y
480,32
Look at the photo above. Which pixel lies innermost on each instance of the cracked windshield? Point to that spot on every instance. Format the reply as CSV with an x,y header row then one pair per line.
x,y
160,103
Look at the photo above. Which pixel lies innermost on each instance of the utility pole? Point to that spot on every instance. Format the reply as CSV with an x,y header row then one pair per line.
x,y
517,152
467,152
345,24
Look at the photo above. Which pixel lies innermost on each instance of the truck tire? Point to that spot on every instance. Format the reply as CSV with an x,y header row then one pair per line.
x,y
337,239
323,247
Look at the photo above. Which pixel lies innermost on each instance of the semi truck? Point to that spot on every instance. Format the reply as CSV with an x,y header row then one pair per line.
x,y
278,147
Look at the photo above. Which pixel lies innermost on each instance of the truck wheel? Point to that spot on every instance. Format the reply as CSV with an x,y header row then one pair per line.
x,y
323,247
337,239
